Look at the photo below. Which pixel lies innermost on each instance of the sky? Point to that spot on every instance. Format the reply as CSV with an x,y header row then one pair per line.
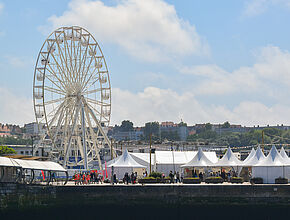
x,y
196,61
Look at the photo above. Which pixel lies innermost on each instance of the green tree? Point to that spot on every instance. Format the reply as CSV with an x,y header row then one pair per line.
x,y
151,128
226,125
208,126
127,126
182,124
4,150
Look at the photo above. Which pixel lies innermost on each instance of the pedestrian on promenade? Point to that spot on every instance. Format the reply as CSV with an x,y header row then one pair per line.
x,y
171,176
177,177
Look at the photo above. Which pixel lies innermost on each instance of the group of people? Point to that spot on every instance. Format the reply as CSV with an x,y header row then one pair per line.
x,y
222,174
130,178
174,177
82,178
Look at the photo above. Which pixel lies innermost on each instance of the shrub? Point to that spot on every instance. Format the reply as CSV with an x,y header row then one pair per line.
x,y
237,180
149,178
214,179
191,180
281,180
155,174
256,180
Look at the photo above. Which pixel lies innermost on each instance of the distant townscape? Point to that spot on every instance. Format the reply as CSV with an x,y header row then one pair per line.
x,y
224,134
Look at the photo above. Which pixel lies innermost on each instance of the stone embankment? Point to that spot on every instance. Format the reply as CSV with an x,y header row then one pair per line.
x,y
15,197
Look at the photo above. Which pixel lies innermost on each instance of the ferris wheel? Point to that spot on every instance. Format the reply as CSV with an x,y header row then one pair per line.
x,y
72,96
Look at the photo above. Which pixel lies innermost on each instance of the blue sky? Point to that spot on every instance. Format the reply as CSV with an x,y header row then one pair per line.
x,y
200,61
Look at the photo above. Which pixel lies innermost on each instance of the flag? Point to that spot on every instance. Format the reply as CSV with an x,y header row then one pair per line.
x,y
43,174
106,169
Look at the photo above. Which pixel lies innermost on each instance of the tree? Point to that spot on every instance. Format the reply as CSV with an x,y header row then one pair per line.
x,y
151,128
182,124
127,126
208,126
226,125
4,150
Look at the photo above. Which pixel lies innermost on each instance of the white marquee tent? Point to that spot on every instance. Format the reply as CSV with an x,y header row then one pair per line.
x,y
144,159
8,162
199,160
229,160
166,161
283,154
272,167
259,156
125,163
250,156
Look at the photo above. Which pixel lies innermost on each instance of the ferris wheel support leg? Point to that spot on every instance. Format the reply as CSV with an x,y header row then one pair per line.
x,y
100,128
84,138
95,138
71,134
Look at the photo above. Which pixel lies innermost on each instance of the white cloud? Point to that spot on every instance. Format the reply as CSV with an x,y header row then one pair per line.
x,y
256,7
15,109
154,104
149,30
1,7
273,65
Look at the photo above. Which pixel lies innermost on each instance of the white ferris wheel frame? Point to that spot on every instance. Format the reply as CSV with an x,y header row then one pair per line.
x,y
74,121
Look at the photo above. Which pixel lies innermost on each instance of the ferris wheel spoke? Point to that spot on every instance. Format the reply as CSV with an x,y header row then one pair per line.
x,y
97,111
84,60
92,91
50,69
84,84
54,101
54,90
59,110
95,101
60,69
62,58
48,76
85,70
68,55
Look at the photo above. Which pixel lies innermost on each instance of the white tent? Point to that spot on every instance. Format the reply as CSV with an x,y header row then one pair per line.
x,y
259,156
8,162
251,155
166,161
40,165
125,163
283,154
272,167
144,159
199,160
228,160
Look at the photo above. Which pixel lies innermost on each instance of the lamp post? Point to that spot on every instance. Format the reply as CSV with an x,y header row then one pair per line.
x,y
32,139
150,152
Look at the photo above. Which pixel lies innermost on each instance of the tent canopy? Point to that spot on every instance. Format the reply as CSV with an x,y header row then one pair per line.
x,y
199,160
273,159
228,160
250,156
126,160
283,154
180,157
8,162
259,156
40,165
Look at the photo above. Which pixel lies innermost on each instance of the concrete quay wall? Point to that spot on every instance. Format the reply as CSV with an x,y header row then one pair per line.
x,y
16,196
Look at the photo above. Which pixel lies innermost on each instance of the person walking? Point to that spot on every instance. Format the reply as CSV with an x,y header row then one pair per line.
x,y
177,177
171,176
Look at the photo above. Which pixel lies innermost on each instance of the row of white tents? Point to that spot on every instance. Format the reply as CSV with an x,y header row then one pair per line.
x,y
273,166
